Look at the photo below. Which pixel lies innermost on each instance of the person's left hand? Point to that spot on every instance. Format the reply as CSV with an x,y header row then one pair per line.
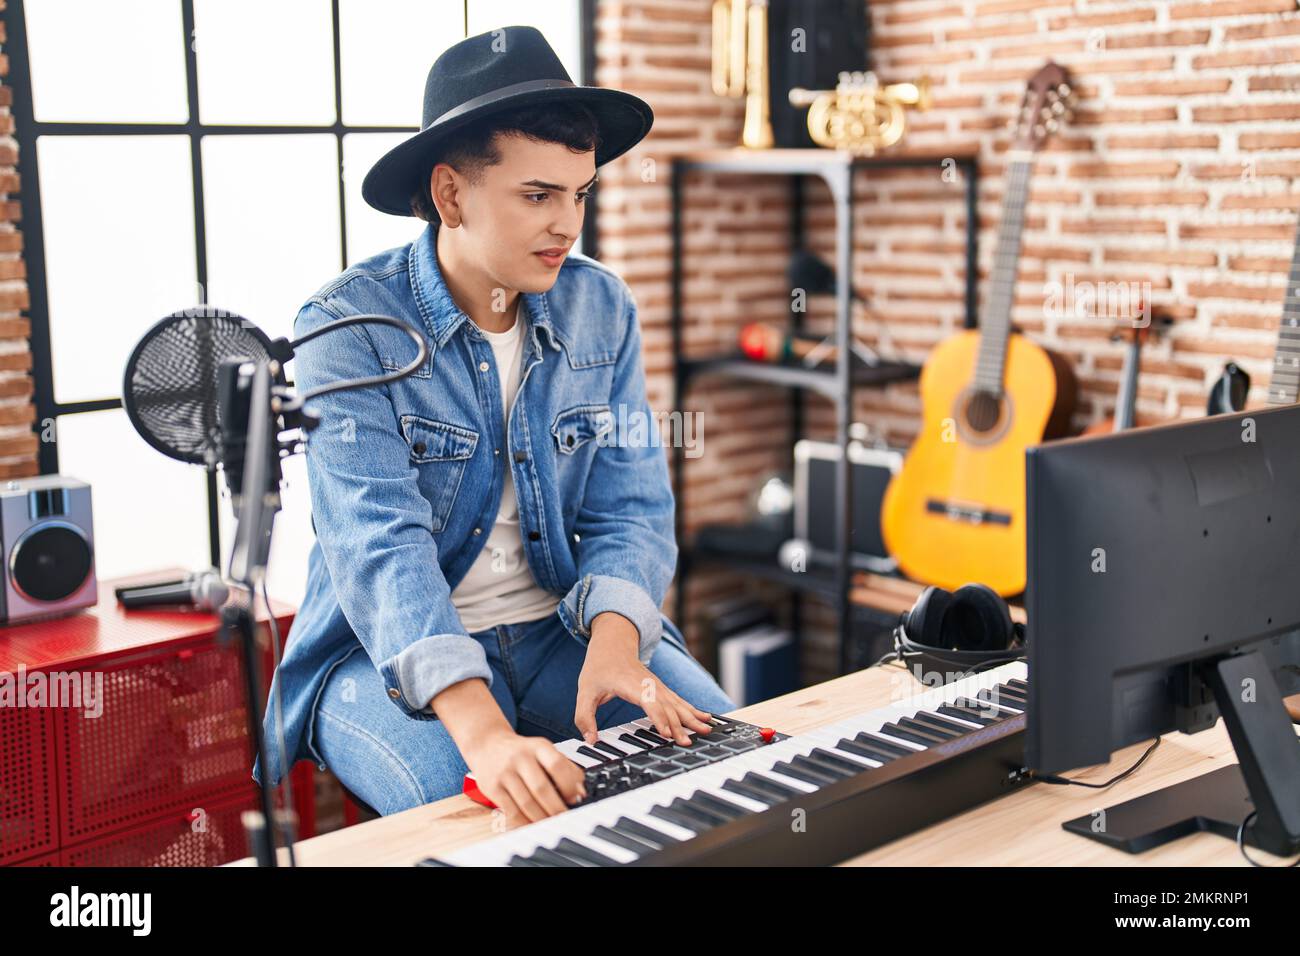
x,y
612,669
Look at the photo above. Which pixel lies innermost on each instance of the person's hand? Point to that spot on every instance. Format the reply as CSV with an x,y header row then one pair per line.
x,y
612,669
526,777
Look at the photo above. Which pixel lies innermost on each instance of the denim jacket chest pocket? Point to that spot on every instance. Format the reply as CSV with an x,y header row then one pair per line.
x,y
574,427
441,451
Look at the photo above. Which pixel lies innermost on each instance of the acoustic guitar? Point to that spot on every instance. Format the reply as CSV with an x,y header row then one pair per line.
x,y
955,512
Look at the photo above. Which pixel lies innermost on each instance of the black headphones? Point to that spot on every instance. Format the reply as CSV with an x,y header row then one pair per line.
x,y
967,630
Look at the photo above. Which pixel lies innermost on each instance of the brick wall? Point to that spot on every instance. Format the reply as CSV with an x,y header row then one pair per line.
x,y
17,413
1178,171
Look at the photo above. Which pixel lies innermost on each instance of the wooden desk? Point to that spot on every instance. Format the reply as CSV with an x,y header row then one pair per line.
x,y
1021,829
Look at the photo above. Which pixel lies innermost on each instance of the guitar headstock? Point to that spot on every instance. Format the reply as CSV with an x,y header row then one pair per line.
x,y
1144,324
1048,104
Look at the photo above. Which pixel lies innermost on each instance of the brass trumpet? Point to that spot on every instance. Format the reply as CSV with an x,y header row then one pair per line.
x,y
860,115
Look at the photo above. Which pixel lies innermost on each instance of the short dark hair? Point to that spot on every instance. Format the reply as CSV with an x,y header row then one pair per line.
x,y
474,147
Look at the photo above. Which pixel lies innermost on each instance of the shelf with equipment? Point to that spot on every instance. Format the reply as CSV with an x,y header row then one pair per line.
x,y
791,375
835,380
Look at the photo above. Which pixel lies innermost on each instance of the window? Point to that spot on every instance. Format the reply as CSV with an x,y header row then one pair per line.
x,y
178,152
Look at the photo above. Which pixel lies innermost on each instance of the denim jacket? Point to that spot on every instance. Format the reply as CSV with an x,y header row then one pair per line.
x,y
406,478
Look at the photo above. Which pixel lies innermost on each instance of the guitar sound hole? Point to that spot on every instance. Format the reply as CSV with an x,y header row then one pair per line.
x,y
983,412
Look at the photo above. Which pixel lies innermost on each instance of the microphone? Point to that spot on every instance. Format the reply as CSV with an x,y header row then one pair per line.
x,y
189,382
204,590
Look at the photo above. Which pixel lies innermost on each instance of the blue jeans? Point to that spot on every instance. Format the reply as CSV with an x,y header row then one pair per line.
x,y
394,762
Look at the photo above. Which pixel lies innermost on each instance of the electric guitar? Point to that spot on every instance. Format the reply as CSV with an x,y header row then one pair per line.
x,y
1126,400
955,512
1229,392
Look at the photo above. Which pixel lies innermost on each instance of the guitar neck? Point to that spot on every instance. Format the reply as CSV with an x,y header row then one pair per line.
x,y
1125,404
996,323
1284,387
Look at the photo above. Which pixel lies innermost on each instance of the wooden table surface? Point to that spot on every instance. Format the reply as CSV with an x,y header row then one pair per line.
x,y
1023,828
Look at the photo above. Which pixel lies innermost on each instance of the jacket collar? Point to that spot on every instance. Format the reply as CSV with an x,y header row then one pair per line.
x,y
441,315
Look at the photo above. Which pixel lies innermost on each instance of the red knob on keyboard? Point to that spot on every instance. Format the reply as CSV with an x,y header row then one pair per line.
x,y
471,790
767,733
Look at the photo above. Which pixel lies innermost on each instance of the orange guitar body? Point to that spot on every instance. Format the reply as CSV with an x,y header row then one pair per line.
x,y
955,512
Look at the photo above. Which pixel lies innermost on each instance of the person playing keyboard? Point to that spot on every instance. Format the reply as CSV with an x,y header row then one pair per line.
x,y
494,533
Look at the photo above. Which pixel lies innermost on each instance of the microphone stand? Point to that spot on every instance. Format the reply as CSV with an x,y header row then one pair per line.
x,y
257,498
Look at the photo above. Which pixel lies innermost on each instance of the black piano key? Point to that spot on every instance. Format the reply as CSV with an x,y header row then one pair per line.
x,y
1018,684
674,815
622,839
708,816
1005,702
610,749
821,755
984,706
635,741
717,805
871,753
1011,693
818,778
774,787
880,743
547,857
593,754
916,736
653,737
751,791
808,762
943,723
576,851
518,860
911,723
965,713
641,831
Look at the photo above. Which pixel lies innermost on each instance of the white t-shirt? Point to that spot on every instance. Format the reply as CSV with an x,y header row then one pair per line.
x,y
499,587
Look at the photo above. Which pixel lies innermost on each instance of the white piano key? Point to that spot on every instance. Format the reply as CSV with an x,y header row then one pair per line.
x,y
909,744
656,823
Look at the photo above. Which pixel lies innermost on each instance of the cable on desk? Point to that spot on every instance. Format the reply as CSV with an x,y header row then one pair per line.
x,y
1062,781
1241,847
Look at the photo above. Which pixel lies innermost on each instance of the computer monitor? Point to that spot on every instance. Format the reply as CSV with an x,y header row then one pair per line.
x,y
1164,591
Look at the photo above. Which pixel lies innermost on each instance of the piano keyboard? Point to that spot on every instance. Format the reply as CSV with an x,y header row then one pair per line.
x,y
633,755
962,740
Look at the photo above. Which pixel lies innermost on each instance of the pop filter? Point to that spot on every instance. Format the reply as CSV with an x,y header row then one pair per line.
x,y
171,384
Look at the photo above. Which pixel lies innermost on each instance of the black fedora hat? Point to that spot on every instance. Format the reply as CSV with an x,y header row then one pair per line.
x,y
502,69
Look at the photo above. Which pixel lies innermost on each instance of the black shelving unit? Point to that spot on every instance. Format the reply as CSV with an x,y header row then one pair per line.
x,y
836,168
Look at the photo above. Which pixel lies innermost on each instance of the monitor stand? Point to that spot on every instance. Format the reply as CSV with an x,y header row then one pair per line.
x,y
1266,780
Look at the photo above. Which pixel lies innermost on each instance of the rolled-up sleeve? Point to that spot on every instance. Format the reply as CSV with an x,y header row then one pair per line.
x,y
374,526
627,548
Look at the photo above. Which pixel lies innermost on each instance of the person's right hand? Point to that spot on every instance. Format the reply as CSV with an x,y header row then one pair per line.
x,y
526,777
